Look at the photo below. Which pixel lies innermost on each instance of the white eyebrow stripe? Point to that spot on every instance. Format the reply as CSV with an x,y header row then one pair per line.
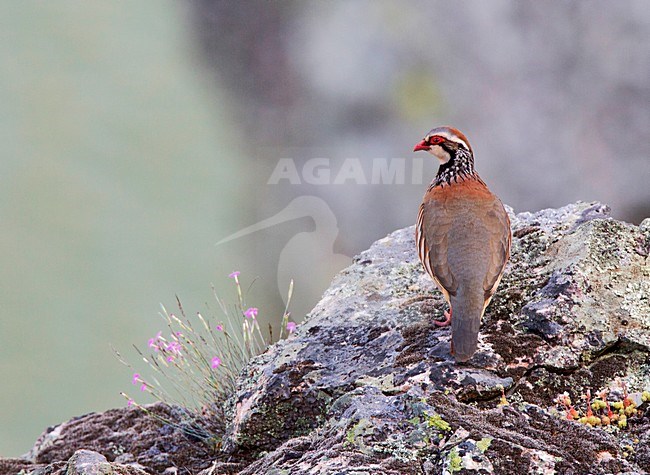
x,y
451,138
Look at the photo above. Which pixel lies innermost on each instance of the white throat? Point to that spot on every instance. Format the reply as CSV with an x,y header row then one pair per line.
x,y
440,153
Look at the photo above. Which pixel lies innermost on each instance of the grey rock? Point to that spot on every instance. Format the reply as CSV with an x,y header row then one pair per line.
x,y
87,462
367,385
130,440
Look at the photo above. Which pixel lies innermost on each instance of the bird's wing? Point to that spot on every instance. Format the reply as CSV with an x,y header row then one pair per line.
x,y
431,234
497,222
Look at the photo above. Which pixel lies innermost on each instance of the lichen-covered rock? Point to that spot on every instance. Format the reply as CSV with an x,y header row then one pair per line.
x,y
367,385
82,462
129,440
87,462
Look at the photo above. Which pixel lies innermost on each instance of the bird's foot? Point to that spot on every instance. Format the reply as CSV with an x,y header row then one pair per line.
x,y
446,321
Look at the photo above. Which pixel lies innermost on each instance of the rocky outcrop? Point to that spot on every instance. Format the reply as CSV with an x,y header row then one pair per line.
x,y
120,441
367,386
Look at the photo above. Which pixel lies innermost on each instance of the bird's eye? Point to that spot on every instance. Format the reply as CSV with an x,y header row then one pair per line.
x,y
436,140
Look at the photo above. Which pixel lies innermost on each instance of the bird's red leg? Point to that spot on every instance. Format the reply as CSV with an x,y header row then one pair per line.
x,y
446,321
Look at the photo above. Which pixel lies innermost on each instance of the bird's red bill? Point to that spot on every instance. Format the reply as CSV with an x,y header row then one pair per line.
x,y
422,146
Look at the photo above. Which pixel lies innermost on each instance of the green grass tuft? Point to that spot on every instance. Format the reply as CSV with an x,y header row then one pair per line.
x,y
195,362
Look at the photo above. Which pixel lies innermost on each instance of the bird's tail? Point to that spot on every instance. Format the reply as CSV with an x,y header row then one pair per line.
x,y
465,323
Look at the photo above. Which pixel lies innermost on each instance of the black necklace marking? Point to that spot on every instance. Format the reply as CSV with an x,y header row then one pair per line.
x,y
459,167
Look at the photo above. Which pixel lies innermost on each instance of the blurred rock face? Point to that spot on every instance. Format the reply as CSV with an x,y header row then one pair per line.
x,y
552,99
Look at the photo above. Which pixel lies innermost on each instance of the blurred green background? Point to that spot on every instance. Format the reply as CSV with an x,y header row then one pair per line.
x,y
115,184
135,137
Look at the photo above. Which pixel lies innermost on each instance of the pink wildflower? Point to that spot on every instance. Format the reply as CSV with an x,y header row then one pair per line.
x,y
291,327
143,387
136,378
130,403
219,328
215,362
251,313
234,274
153,341
173,347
